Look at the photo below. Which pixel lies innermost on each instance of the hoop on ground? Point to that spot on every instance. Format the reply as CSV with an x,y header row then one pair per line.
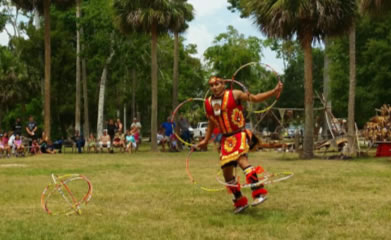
x,y
81,195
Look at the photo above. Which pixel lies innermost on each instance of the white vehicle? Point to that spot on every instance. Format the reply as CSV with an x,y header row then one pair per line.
x,y
200,130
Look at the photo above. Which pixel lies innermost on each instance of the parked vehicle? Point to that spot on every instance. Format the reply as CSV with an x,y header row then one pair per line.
x,y
200,130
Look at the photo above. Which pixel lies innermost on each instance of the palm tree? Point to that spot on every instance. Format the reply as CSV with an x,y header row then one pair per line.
x,y
152,16
44,7
182,13
307,20
375,7
78,67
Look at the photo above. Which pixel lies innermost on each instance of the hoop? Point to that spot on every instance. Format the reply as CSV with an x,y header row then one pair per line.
x,y
74,206
193,180
173,118
272,70
266,178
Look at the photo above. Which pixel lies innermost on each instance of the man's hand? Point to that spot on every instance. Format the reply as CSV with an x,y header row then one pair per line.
x,y
202,144
278,89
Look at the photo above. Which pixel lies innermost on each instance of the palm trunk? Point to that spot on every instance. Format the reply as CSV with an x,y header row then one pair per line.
x,y
154,84
102,89
78,68
352,90
85,93
47,67
308,101
175,74
326,84
133,93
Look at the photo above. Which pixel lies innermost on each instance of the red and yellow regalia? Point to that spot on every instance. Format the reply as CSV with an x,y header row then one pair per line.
x,y
227,114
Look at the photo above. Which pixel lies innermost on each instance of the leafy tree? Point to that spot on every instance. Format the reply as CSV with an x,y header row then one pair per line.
x,y
151,17
306,20
373,41
44,7
182,13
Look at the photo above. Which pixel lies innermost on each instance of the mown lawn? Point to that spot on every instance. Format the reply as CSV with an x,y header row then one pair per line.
x,y
148,196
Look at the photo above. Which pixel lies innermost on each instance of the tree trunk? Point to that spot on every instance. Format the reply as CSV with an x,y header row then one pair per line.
x,y
85,92
133,93
154,84
47,68
175,74
102,89
78,68
326,85
308,101
352,91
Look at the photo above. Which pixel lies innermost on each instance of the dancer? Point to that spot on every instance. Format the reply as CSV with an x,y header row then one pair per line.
x,y
224,110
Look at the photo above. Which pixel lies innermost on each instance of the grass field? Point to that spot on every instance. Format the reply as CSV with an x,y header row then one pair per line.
x,y
148,196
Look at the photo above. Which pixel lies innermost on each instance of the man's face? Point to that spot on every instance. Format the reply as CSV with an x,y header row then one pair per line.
x,y
217,87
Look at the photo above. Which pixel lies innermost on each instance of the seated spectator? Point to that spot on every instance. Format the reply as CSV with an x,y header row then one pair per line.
x,y
50,147
118,141
130,142
5,148
174,146
161,139
79,140
91,143
35,148
104,141
18,146
58,145
43,143
11,140
135,131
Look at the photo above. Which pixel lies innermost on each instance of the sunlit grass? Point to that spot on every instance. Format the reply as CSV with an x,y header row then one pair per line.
x,y
149,196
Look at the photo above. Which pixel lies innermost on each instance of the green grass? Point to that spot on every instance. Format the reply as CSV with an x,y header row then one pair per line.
x,y
148,196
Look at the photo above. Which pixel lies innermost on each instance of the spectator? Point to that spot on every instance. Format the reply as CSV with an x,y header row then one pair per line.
x,y
58,144
118,141
130,142
18,146
79,140
50,147
104,141
43,143
91,143
11,140
161,140
174,143
119,126
135,123
18,127
31,129
168,127
111,129
184,125
4,145
35,148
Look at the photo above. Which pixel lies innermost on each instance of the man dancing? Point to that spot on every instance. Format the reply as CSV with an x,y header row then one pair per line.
x,y
224,110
